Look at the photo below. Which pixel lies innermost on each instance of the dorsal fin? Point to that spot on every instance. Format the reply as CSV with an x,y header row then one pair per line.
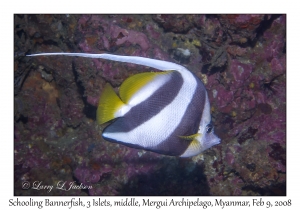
x,y
134,83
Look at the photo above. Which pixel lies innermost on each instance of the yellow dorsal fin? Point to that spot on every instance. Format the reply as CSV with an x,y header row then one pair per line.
x,y
191,137
109,104
134,83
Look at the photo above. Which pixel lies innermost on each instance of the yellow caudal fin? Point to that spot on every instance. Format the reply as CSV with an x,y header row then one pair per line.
x,y
134,83
109,104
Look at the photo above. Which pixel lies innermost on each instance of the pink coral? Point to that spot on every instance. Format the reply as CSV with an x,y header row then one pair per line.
x,y
130,36
277,66
153,33
89,176
241,73
223,97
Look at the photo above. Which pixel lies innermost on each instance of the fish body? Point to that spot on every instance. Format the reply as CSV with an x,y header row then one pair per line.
x,y
165,112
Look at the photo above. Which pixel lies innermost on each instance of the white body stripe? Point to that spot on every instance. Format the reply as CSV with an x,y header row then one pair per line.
x,y
144,93
206,117
147,90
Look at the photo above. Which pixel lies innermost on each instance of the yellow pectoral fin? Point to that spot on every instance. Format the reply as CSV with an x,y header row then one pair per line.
x,y
194,146
109,104
134,83
191,137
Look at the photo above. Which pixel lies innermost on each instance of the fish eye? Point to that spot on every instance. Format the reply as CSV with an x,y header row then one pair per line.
x,y
209,128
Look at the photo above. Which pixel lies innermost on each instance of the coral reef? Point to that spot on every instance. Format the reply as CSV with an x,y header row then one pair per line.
x,y
240,58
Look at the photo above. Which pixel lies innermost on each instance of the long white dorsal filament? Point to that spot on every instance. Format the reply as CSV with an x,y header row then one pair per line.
x,y
157,64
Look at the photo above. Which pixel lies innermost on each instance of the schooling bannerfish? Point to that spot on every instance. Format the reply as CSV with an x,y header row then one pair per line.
x,y
165,112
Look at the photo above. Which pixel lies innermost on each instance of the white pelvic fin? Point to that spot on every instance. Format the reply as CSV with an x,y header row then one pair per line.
x,y
157,64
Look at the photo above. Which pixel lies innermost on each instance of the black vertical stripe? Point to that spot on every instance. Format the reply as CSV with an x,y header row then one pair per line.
x,y
148,108
189,125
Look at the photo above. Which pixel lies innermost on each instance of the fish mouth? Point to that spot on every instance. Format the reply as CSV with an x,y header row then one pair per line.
x,y
210,140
